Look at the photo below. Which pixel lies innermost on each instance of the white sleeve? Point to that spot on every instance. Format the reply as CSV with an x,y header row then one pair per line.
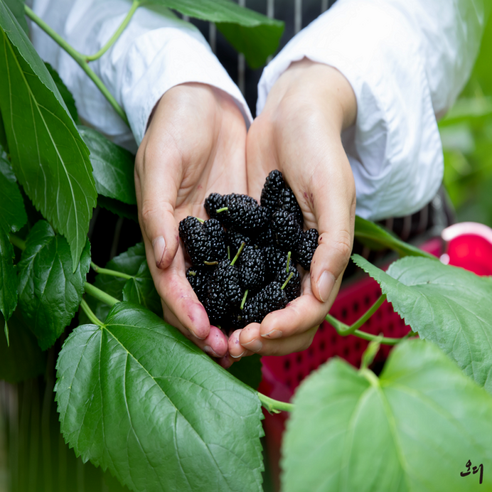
x,y
155,52
406,61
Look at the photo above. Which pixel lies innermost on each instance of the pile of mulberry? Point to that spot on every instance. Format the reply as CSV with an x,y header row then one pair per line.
x,y
245,257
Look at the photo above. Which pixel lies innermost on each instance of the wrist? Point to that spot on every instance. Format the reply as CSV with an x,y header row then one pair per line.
x,y
314,88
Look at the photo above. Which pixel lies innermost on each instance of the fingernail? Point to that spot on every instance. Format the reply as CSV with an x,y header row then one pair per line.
x,y
237,356
159,246
273,334
209,350
254,345
325,285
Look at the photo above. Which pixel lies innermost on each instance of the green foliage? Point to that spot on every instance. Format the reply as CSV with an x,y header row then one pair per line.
x,y
133,264
112,167
137,397
250,33
444,304
22,358
377,237
64,93
17,9
12,212
118,208
248,370
49,157
411,430
140,290
49,292
466,133
8,281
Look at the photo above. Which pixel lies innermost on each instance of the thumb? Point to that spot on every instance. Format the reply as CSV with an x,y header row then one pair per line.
x,y
156,197
335,212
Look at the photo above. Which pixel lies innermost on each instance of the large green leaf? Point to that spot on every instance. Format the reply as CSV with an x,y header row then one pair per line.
x,y
64,92
17,9
137,397
118,208
49,157
112,165
129,263
3,136
376,237
445,304
22,359
251,33
8,281
49,292
140,290
248,370
12,212
412,430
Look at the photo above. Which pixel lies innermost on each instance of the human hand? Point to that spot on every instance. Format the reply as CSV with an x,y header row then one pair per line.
x,y
194,145
298,133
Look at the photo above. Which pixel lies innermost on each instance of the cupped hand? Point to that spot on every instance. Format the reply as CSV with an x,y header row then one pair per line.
x,y
194,145
299,133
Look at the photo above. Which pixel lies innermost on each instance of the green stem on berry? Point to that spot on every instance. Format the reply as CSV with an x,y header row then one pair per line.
x,y
274,406
238,253
211,263
229,253
192,273
223,209
244,299
200,220
106,271
87,310
287,281
288,262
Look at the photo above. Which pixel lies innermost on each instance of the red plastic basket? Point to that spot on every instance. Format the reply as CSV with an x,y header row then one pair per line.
x,y
469,245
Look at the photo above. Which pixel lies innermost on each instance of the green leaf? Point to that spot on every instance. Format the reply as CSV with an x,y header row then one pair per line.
x,y
376,237
64,92
17,9
49,157
255,43
8,282
248,370
119,208
445,304
412,430
112,165
128,262
251,33
3,137
22,359
137,397
140,290
49,292
12,212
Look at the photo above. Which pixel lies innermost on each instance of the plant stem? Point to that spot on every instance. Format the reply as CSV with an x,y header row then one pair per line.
x,y
87,310
106,271
291,274
79,59
238,253
384,341
344,329
223,209
17,241
99,294
274,406
244,299
117,33
288,263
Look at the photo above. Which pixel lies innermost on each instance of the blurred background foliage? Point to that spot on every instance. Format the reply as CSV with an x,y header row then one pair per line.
x,y
466,133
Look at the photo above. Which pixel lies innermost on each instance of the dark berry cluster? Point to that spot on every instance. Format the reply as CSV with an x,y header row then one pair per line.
x,y
245,256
